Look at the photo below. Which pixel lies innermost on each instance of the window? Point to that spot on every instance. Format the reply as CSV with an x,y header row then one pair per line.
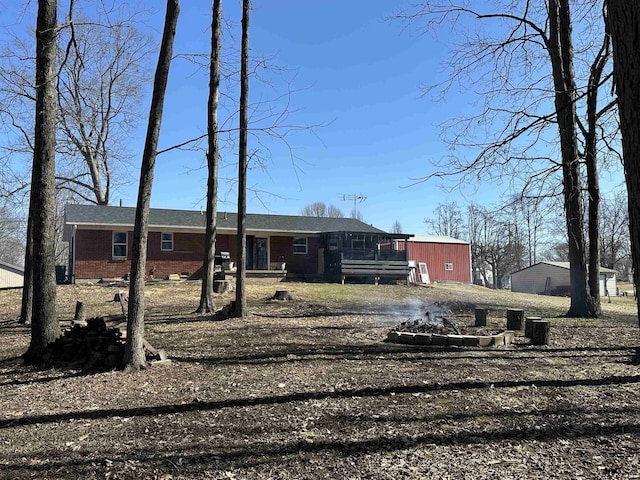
x,y
300,245
166,242
119,245
357,240
448,267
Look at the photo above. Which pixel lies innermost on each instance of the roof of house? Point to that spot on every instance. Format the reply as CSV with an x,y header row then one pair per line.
x,y
11,268
436,239
103,215
566,266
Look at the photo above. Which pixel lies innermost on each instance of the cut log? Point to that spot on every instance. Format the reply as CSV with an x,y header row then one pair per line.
x,y
481,317
283,295
514,318
528,325
81,312
540,332
221,286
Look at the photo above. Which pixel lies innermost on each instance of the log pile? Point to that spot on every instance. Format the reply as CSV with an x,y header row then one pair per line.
x,y
98,346
91,347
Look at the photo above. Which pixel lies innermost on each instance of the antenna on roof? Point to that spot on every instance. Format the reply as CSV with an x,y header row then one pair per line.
x,y
356,197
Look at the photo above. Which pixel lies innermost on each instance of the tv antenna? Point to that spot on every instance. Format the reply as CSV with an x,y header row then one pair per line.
x,y
356,197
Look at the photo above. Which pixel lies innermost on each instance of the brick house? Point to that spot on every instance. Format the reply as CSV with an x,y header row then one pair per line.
x,y
100,240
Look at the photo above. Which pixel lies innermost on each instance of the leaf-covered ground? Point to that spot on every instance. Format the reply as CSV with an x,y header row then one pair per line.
x,y
307,389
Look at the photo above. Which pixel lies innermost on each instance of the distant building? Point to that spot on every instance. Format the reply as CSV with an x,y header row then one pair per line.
x,y
552,278
11,276
443,259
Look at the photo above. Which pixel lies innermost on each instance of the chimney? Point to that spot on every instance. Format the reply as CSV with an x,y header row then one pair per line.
x,y
120,202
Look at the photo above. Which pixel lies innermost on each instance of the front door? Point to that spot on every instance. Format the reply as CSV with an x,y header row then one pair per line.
x,y
262,258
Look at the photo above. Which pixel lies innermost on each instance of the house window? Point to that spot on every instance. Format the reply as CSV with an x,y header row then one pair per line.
x,y
300,245
357,240
448,267
166,242
119,245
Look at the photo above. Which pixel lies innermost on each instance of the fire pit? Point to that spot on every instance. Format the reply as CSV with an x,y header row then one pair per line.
x,y
440,331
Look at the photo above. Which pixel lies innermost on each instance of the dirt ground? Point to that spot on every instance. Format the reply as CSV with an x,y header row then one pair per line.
x,y
307,389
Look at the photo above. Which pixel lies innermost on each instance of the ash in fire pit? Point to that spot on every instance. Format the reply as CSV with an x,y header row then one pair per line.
x,y
429,324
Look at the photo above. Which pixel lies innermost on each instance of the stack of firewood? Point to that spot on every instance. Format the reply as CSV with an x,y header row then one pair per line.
x,y
94,346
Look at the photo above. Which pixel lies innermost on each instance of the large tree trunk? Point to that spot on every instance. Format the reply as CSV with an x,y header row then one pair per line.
x,y
213,155
134,357
241,294
561,53
623,20
44,325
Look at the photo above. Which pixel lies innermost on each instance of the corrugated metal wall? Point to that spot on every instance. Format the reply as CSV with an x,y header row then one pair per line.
x,y
436,255
10,279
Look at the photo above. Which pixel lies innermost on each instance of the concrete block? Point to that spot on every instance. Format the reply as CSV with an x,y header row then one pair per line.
x,y
485,340
498,340
440,340
470,340
422,339
509,336
407,338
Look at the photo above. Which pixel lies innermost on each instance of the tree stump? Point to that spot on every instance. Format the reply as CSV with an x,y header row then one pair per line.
x,y
540,332
221,286
481,317
514,318
528,325
283,295
81,312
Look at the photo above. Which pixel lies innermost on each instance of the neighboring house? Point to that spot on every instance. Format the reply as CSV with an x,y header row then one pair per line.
x,y
11,276
445,259
100,241
552,278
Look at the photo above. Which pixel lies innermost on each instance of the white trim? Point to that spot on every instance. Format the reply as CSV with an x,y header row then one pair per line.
x,y
162,241
306,245
113,244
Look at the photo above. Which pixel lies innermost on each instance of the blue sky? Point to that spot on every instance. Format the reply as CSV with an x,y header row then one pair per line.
x,y
356,77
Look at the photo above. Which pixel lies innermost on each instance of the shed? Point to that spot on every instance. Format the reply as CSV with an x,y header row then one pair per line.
x,y
438,258
552,278
11,276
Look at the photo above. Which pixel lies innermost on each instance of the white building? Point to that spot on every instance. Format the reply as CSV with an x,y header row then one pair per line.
x,y
11,276
552,278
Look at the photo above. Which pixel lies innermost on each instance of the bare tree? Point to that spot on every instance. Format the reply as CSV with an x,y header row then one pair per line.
x,y
134,358
45,328
396,227
614,242
243,162
213,160
99,83
623,21
447,220
524,68
321,209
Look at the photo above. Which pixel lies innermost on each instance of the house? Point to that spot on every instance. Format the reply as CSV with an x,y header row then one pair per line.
x,y
11,276
552,278
438,258
100,241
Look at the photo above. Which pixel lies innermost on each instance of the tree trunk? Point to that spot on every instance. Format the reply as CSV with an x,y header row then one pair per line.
x,y
243,161
208,268
593,185
623,21
27,284
561,53
44,326
134,357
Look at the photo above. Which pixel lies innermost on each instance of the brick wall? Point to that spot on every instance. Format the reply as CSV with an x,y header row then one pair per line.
x,y
93,255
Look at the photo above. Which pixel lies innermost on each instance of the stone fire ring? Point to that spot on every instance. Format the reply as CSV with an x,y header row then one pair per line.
x,y
409,338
